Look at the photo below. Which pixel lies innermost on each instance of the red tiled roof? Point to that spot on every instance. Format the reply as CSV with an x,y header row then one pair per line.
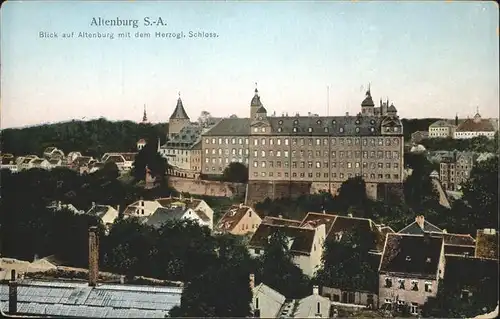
x,y
302,238
481,125
281,221
189,202
232,217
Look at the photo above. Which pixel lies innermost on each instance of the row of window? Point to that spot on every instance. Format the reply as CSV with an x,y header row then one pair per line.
x,y
380,141
325,175
226,160
220,151
342,154
318,164
413,285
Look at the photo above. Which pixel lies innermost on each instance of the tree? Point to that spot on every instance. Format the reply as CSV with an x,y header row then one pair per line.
x,y
204,118
149,157
481,193
348,265
236,172
279,272
109,171
352,192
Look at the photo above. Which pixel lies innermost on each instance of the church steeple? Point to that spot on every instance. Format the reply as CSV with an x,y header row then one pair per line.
x,y
255,104
179,119
144,116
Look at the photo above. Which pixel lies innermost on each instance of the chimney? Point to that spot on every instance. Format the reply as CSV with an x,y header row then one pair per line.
x,y
180,196
122,279
349,215
241,205
118,208
445,231
315,290
252,281
59,204
280,216
13,293
346,113
93,204
93,256
420,220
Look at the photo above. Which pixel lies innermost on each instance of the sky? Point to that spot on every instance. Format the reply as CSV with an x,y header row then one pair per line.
x,y
431,59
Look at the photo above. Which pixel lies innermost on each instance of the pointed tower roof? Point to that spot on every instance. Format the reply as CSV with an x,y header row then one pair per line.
x,y
179,112
144,116
368,101
256,98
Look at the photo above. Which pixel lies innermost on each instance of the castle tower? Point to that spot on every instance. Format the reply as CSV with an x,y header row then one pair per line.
x,y
367,106
255,104
178,119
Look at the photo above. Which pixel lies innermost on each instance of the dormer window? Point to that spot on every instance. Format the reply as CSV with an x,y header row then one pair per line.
x,y
428,260
357,122
280,122
357,129
396,128
334,122
256,129
294,130
408,258
341,130
310,130
372,129
263,129
295,122
372,122
260,118
280,129
326,129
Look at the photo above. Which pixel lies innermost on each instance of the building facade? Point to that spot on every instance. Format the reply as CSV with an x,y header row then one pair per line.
x,y
443,129
455,169
477,126
310,148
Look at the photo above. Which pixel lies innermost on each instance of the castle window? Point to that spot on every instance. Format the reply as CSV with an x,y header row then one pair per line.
x,y
357,122
280,122
326,129
318,122
310,130
295,122
260,118
295,130
341,130
357,129
334,122
280,129
372,129
396,128
372,122
255,129
263,129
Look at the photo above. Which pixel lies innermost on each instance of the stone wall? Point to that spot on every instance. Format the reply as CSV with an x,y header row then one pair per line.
x,y
391,193
317,187
257,191
204,187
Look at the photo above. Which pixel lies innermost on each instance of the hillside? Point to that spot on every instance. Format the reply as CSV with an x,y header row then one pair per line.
x,y
94,137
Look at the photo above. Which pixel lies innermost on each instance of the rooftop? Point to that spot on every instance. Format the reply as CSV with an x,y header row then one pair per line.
x,y
281,221
232,217
487,243
77,299
301,238
412,254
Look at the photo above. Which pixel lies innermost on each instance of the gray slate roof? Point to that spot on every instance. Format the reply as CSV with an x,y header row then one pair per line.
x,y
415,229
179,112
230,127
189,135
98,210
256,99
77,299
162,215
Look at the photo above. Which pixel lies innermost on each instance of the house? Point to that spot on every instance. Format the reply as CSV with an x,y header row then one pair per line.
x,y
409,271
419,227
280,221
72,156
40,163
7,159
141,208
58,206
466,276
239,220
106,213
53,152
178,212
124,161
140,144
487,244
266,302
305,244
313,306
474,127
198,205
456,169
442,129
55,162
81,163
27,162
337,226
418,136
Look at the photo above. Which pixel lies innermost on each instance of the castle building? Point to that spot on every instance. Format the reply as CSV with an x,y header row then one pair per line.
x,y
324,151
477,126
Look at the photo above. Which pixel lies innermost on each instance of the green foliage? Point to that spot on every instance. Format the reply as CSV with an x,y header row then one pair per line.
x,y
149,157
235,172
347,264
352,193
93,138
475,144
412,125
